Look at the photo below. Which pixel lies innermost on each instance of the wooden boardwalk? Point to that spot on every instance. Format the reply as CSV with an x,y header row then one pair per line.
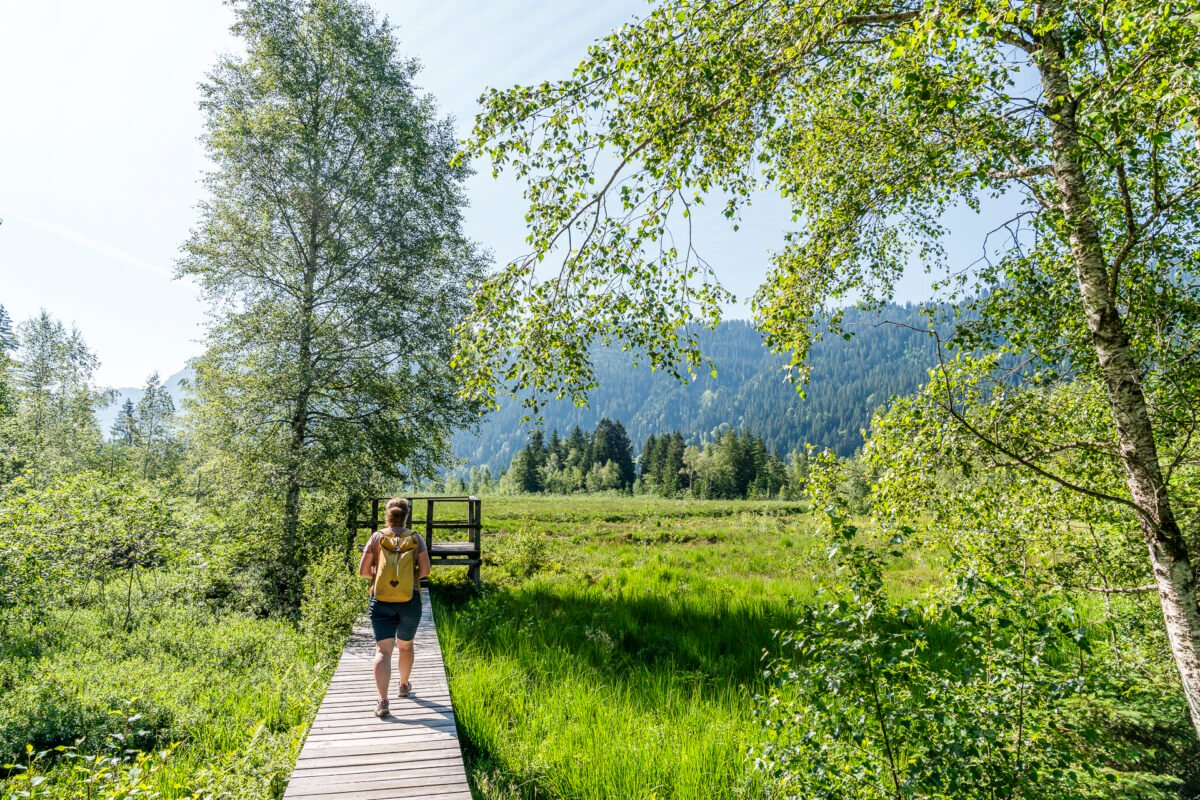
x,y
351,755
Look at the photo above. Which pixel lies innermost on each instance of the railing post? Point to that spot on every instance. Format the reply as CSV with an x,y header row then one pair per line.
x,y
375,514
429,522
351,528
475,523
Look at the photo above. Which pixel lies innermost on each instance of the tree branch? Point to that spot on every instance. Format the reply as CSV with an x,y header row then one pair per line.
x,y
1149,587
1131,240
1017,458
857,20
1022,172
1018,41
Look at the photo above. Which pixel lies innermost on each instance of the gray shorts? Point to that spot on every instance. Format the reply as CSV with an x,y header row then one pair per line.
x,y
396,620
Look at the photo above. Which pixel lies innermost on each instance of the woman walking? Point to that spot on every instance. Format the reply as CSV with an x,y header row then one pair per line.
x,y
395,559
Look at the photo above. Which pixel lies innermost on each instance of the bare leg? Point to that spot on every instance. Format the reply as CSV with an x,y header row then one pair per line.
x,y
404,659
382,665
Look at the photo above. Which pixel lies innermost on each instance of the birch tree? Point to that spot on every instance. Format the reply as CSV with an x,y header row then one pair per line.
x,y
872,119
8,344
331,249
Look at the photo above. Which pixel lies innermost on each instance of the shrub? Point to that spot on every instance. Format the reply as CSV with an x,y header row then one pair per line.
x,y
957,699
57,537
528,554
334,598
997,686
117,772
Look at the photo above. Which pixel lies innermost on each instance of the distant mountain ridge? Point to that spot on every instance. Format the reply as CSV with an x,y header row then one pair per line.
x,y
850,380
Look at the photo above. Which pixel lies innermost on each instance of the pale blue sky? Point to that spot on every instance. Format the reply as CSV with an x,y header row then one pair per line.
x,y
99,158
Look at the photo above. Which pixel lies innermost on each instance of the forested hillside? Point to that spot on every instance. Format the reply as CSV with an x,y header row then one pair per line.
x,y
850,380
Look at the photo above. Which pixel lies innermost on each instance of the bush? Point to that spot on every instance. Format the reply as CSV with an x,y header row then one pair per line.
x,y
957,699
996,686
334,598
54,539
528,555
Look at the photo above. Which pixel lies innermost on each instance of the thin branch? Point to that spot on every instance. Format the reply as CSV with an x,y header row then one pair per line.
x,y
1149,587
1017,457
1094,447
1130,241
1131,228
1018,41
857,20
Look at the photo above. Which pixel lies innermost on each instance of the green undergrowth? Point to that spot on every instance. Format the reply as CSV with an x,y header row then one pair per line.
x,y
636,685
145,668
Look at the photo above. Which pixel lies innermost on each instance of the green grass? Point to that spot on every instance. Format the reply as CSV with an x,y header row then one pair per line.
x,y
618,644
616,650
236,693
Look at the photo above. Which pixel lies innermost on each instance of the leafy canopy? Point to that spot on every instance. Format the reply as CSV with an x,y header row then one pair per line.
x,y
871,119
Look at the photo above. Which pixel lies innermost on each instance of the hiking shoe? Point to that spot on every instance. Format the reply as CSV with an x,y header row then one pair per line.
x,y
381,710
405,690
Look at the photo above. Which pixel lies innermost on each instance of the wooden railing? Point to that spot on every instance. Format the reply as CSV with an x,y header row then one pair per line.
x,y
458,538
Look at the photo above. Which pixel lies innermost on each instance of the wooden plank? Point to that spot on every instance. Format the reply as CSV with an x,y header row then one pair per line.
x,y
453,547
382,789
399,714
434,698
333,783
334,787
402,770
349,754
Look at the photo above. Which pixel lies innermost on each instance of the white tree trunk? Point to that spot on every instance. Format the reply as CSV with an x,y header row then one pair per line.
x,y
1173,569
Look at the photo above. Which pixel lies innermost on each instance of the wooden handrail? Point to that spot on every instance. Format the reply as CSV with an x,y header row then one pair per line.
x,y
473,525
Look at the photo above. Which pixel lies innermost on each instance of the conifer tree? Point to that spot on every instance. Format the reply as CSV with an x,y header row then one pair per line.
x,y
8,339
610,443
577,444
672,474
523,473
124,427
646,463
53,429
537,450
8,344
155,429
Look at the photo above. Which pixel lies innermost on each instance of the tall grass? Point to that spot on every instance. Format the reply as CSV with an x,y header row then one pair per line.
x,y
236,693
625,662
633,687
620,649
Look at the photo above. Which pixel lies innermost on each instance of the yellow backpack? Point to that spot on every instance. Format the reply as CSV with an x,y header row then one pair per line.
x,y
396,567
